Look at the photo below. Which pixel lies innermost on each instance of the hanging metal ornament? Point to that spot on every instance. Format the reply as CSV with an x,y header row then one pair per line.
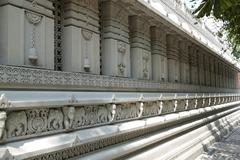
x,y
33,19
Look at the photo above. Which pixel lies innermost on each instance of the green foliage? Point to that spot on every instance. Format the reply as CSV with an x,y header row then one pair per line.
x,y
227,11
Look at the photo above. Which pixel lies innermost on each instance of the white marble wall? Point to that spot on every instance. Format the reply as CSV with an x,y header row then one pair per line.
x,y
28,31
115,47
159,54
81,44
141,60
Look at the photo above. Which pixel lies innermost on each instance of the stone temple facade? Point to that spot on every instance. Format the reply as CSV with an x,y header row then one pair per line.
x,y
111,79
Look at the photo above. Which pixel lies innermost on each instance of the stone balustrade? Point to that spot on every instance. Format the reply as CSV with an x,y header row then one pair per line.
x,y
35,116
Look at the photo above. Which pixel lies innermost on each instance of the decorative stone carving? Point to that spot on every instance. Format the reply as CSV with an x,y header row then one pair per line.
x,y
6,155
181,104
192,103
80,117
69,113
3,117
151,109
41,121
16,124
168,106
15,76
122,51
55,119
127,111
76,141
4,102
34,19
145,65
87,35
37,120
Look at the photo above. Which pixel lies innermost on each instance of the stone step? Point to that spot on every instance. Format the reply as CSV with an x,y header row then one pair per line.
x,y
122,151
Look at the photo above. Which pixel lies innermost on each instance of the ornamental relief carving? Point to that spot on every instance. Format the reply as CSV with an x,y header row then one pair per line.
x,y
168,106
87,35
145,65
121,47
41,121
34,19
151,108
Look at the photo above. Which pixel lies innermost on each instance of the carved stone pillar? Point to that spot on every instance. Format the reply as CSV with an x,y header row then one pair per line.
x,y
193,64
115,47
173,58
184,61
27,33
159,54
201,69
207,69
141,66
81,47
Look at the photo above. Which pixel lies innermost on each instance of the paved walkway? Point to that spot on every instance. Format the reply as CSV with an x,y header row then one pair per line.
x,y
227,149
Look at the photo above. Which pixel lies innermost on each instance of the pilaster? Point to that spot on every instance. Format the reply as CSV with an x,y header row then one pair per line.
x,y
81,46
184,61
201,68
159,54
193,54
27,33
173,58
207,69
141,65
115,47
212,71
216,72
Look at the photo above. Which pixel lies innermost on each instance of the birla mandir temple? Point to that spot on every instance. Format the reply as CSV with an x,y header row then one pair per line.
x,y
112,80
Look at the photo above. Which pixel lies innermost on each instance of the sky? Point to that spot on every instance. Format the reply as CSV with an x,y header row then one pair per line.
x,y
189,4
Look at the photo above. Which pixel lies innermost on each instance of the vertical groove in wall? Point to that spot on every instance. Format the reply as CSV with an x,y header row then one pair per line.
x,y
100,24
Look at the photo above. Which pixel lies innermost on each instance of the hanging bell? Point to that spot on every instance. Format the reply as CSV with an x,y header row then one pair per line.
x,y
32,55
86,64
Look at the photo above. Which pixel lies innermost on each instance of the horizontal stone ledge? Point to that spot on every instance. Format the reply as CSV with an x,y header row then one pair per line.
x,y
11,100
100,134
13,77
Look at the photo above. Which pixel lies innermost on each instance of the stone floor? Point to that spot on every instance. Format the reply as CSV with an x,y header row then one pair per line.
x,y
226,149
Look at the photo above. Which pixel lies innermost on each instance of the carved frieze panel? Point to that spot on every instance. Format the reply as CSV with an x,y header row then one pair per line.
x,y
181,104
127,111
17,124
151,108
192,103
168,106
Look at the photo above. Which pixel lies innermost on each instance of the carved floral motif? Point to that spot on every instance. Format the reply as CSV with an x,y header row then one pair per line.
x,y
37,120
